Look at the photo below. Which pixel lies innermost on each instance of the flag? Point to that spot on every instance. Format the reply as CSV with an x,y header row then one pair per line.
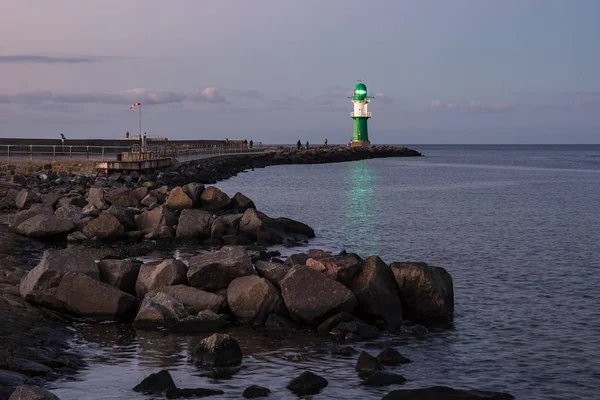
x,y
134,105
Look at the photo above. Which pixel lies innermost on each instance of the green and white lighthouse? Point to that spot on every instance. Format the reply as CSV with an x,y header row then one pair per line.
x,y
360,115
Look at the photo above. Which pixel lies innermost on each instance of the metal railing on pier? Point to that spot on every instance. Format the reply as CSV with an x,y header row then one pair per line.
x,y
185,155
10,153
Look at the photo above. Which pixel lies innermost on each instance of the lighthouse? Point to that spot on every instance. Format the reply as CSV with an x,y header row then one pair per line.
x,y
360,115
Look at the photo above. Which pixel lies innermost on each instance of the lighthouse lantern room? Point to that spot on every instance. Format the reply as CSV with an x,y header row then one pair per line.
x,y
360,115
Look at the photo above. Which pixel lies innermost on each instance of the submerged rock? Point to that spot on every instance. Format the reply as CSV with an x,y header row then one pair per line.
x,y
445,393
218,350
367,364
191,393
381,378
157,383
390,356
255,391
307,383
206,321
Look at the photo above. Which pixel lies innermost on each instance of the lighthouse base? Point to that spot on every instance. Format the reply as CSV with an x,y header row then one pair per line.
x,y
360,143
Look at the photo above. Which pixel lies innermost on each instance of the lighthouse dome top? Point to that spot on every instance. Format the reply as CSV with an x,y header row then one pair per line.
x,y
360,91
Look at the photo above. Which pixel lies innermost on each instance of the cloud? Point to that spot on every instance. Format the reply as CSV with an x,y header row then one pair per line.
x,y
471,107
565,100
39,59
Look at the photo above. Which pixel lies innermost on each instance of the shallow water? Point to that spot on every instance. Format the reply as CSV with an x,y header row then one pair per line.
x,y
518,227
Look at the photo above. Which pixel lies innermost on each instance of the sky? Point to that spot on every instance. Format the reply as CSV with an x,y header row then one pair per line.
x,y
460,71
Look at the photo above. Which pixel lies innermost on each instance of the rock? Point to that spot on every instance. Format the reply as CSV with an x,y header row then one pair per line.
x,y
194,300
41,283
194,224
50,199
367,364
26,198
381,378
206,321
191,393
445,393
359,329
121,274
120,197
72,200
273,272
35,209
194,192
278,322
12,379
241,203
318,253
105,227
157,383
296,259
261,227
71,212
76,237
294,227
330,323
149,201
178,200
41,226
213,199
377,292
153,275
125,216
28,392
155,219
91,210
27,367
345,351
311,297
427,292
95,198
218,350
338,268
390,356
253,299
307,383
139,193
159,309
90,298
218,229
254,391
216,270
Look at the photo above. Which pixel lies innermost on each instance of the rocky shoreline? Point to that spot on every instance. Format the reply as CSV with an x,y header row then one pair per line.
x,y
231,279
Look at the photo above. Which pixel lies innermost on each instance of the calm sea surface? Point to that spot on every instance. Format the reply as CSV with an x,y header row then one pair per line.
x,y
518,227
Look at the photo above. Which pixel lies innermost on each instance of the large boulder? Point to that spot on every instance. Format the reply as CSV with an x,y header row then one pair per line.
x,y
273,272
155,219
27,392
178,200
194,224
194,192
445,393
26,198
159,309
216,269
252,299
241,203
153,275
213,199
90,298
121,274
377,292
156,383
194,300
227,224
427,292
311,297
105,227
125,216
218,350
69,211
42,225
41,283
139,193
95,198
291,226
261,227
35,209
339,268
367,364
121,197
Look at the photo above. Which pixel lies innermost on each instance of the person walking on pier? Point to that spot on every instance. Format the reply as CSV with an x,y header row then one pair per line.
x,y
298,144
307,144
251,143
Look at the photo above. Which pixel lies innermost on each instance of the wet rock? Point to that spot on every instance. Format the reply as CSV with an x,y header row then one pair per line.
x,y
311,297
178,200
191,393
291,226
194,300
194,192
105,227
216,270
90,298
218,350
157,383
277,322
390,356
417,330
204,322
255,391
120,197
345,351
330,323
194,224
26,198
241,203
95,198
445,393
360,329
28,392
339,268
307,383
296,259
27,367
427,292
35,209
41,283
12,379
377,292
381,378
253,299
155,219
121,274
367,364
157,310
41,226
273,272
213,199
71,212
168,272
